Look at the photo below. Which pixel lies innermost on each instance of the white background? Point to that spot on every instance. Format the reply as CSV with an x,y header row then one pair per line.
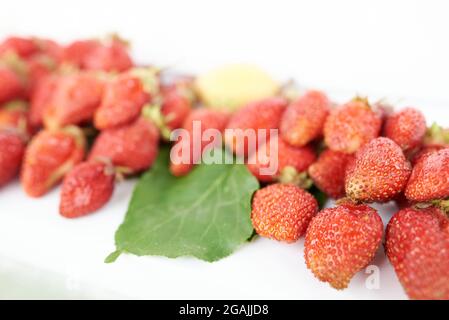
x,y
394,49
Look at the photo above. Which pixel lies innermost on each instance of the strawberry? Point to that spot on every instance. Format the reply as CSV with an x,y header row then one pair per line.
x,y
74,101
247,121
417,245
11,85
379,172
49,156
436,138
76,52
86,188
205,119
350,126
122,102
341,241
407,128
430,177
176,104
282,211
112,56
134,146
23,47
41,98
14,115
290,161
304,119
328,172
12,149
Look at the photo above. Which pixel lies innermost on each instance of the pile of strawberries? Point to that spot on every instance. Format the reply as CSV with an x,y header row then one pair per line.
x,y
85,114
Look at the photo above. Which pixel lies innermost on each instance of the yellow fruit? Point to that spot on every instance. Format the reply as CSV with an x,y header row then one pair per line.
x,y
232,86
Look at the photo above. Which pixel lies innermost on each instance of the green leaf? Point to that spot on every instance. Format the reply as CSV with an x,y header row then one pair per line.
x,y
205,214
319,195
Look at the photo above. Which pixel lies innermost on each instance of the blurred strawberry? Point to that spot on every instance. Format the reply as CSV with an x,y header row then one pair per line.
x,y
192,141
76,52
11,85
351,126
304,119
436,138
23,47
49,156
41,98
244,125
12,148
134,146
14,115
289,163
74,101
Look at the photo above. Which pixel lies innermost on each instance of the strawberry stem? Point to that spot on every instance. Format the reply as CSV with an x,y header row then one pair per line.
x,y
290,175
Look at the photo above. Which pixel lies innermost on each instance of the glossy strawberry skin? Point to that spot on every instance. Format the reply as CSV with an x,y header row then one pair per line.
x,y
282,212
12,149
417,245
86,188
122,102
299,158
207,119
265,114
430,177
328,172
49,156
75,100
11,86
350,126
304,119
379,172
341,241
407,128
134,146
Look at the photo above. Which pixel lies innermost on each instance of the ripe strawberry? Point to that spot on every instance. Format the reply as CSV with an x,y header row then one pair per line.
x,y
298,159
86,188
111,56
304,119
12,149
282,211
11,86
430,177
133,146
379,172
407,128
40,99
436,138
76,52
341,241
49,156
14,115
38,67
122,102
265,114
350,126
74,101
23,47
205,119
176,104
328,172
417,245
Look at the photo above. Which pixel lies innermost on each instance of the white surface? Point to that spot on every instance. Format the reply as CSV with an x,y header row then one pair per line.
x,y
395,49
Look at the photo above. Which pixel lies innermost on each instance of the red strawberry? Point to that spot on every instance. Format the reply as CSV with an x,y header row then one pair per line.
x,y
287,161
265,114
41,98
86,188
436,138
12,149
14,115
328,172
49,156
112,56
133,146
417,245
303,120
77,51
23,47
11,86
38,68
430,177
350,126
282,211
341,241
407,128
379,172
122,102
74,101
176,104
204,119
